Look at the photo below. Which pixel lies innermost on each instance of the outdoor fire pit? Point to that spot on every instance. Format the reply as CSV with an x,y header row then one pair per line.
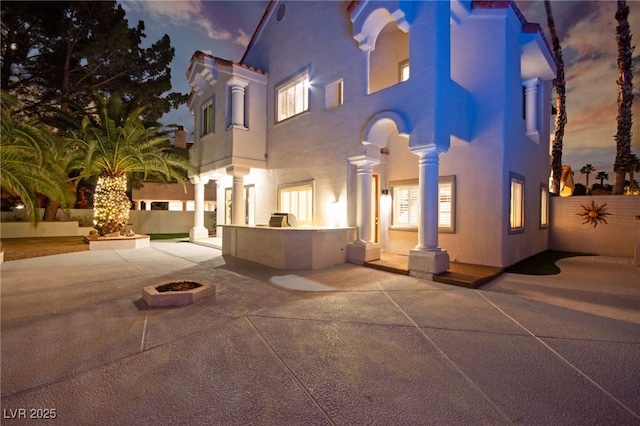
x,y
177,293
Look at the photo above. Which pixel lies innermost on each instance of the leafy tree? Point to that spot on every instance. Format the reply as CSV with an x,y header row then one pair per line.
x,y
587,169
28,159
113,147
560,107
602,176
625,97
58,53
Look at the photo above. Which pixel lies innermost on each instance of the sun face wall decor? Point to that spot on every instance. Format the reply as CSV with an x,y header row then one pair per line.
x,y
594,214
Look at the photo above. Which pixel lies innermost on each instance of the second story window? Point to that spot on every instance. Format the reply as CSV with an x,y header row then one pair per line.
x,y
207,118
293,96
404,70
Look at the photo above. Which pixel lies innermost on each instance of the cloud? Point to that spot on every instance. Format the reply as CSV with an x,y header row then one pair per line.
x,y
187,13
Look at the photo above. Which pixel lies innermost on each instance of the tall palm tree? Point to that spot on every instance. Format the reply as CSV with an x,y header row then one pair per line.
x,y
633,167
112,148
27,165
625,97
587,169
561,109
602,176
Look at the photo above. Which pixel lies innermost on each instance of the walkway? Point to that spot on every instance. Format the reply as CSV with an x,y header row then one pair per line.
x,y
346,345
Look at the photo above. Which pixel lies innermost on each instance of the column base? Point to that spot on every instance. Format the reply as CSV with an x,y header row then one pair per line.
x,y
358,253
198,234
426,264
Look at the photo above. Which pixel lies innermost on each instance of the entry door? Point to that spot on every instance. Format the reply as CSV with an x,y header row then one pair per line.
x,y
375,199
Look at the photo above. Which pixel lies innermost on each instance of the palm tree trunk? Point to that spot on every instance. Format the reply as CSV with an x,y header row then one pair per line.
x,y
111,205
51,210
561,109
625,97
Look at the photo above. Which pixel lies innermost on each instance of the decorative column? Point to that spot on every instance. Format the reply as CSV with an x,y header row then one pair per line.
x,y
237,193
238,87
147,205
363,249
531,108
427,259
199,231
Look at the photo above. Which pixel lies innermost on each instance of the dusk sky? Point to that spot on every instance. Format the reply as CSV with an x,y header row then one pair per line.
x,y
587,36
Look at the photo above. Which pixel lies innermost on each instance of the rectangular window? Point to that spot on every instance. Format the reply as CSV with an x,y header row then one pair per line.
x,y
207,119
404,70
516,213
544,206
333,95
297,200
293,96
446,204
406,205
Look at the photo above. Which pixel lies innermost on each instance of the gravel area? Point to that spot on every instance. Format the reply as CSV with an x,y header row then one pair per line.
x,y
24,248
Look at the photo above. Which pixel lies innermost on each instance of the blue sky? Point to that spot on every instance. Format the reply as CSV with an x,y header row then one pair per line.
x,y
586,30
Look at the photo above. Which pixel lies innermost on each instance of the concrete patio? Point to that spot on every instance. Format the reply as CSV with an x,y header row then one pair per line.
x,y
346,345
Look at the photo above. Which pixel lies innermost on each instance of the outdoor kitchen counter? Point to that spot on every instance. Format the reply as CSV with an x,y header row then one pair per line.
x,y
288,248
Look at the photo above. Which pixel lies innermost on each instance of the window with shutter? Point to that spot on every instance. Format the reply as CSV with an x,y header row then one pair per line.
x,y
293,96
406,204
298,200
516,213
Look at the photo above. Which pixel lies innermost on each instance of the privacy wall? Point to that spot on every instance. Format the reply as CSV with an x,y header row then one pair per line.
x,y
617,237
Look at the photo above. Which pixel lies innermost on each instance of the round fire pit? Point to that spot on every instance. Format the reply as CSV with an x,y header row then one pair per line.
x,y
177,293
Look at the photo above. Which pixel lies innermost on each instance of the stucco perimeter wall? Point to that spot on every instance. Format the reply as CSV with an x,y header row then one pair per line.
x,y
141,221
44,229
165,221
617,237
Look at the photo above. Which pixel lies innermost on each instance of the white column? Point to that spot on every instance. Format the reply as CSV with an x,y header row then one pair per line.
x,y
531,108
138,204
237,86
237,193
364,175
427,259
147,205
428,188
199,231
363,249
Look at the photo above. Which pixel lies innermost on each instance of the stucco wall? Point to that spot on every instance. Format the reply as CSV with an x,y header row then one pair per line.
x,y
615,238
142,222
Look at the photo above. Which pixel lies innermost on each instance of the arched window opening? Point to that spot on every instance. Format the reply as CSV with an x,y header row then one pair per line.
x,y
389,61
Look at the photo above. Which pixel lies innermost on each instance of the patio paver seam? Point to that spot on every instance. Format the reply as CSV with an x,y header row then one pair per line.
x,y
450,361
566,361
291,373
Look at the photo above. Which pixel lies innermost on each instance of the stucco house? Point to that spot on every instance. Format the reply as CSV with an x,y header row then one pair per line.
x,y
418,128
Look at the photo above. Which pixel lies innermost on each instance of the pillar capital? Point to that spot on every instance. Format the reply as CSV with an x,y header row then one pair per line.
x,y
236,81
239,171
198,180
361,161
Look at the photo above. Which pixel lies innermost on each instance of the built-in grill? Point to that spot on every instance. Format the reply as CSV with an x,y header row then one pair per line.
x,y
282,220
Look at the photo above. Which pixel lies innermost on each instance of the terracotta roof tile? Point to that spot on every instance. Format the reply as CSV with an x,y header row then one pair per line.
x,y
222,62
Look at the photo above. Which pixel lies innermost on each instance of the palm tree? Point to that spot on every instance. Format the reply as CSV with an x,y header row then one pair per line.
x,y
602,176
561,109
587,169
27,165
633,167
112,148
625,97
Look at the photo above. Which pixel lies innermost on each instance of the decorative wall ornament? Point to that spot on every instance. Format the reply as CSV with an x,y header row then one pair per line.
x,y
594,214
